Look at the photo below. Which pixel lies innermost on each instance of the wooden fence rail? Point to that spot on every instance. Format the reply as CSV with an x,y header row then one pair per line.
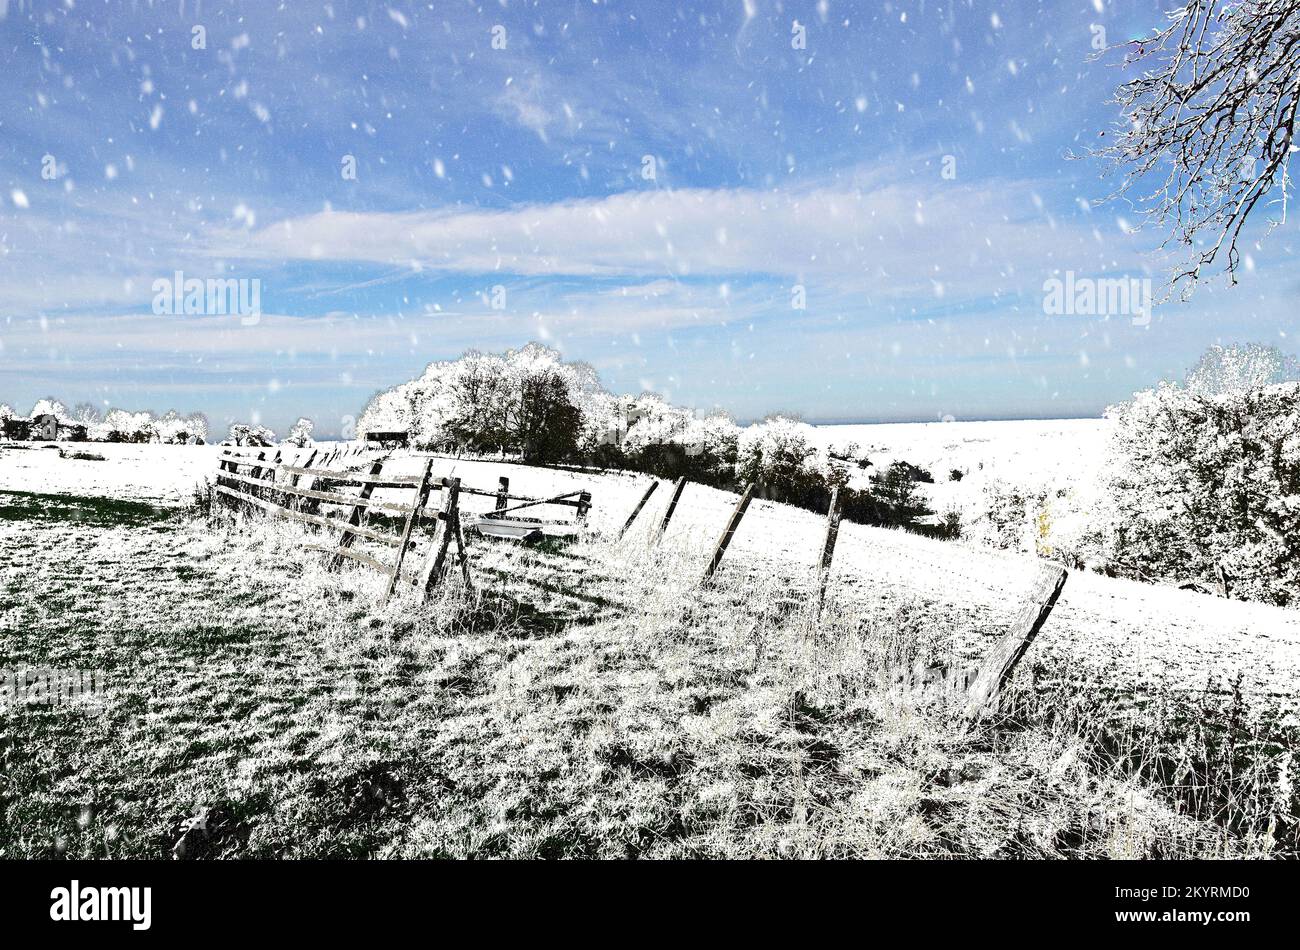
x,y
260,483
260,486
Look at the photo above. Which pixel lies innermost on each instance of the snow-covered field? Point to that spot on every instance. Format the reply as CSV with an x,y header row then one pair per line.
x,y
162,474
1027,452
591,692
1130,633
1030,453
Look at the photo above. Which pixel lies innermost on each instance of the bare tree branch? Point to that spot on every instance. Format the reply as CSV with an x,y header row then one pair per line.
x,y
1208,128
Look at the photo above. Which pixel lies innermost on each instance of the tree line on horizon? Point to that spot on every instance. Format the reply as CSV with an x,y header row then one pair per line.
x,y
116,425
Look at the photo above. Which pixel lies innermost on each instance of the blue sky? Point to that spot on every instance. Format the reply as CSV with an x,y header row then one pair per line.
x,y
522,168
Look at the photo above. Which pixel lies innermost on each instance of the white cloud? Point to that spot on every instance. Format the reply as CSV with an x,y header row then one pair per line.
x,y
525,107
874,239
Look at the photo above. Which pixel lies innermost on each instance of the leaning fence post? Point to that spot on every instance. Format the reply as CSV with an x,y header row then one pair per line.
x,y
639,505
421,495
732,524
273,471
503,492
356,518
672,506
462,554
828,547
584,505
985,692
449,518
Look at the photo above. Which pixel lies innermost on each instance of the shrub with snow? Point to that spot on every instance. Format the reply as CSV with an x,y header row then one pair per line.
x,y
257,436
779,456
1203,480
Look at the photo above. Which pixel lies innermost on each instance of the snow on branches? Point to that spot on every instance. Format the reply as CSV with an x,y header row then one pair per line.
x,y
1208,126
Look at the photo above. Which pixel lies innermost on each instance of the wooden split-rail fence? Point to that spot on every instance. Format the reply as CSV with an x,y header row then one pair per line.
x,y
280,490
982,686
580,499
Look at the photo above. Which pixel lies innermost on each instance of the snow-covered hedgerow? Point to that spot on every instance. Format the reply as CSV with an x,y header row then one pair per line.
x,y
532,405
1202,481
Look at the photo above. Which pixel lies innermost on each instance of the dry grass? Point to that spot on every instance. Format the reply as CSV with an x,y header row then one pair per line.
x,y
587,700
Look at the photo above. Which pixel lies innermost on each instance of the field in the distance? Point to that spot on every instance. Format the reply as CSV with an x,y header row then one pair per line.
x,y
590,699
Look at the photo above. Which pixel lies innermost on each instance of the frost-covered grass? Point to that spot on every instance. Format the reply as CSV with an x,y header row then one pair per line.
x,y
587,700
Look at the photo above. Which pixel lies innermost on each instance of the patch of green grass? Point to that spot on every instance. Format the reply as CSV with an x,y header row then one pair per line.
x,y
34,506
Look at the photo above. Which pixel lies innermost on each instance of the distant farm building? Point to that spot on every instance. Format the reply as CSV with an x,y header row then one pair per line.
x,y
390,440
50,428
44,427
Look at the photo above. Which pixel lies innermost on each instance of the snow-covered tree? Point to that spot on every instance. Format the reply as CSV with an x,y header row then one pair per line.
x,y
1223,369
197,425
527,401
300,434
465,403
170,428
780,456
86,414
652,420
50,406
388,411
604,425
119,425
545,404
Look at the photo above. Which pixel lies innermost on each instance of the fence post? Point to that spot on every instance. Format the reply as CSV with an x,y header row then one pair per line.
x,y
828,547
584,505
727,532
672,506
421,495
356,518
639,505
224,464
985,692
461,553
273,470
450,509
296,502
307,464
503,492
